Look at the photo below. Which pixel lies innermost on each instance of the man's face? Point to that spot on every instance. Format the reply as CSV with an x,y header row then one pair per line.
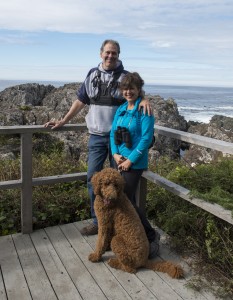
x,y
109,56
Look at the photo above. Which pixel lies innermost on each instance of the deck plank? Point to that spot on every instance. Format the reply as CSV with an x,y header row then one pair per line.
x,y
36,277
58,276
79,274
179,286
2,289
167,254
12,273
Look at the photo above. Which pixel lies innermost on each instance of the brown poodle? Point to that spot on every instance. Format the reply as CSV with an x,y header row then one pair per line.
x,y
119,226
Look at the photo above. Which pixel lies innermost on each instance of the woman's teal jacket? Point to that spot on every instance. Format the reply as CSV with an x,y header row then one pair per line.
x,y
141,128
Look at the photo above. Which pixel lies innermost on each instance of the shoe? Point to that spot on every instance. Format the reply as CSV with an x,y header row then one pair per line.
x,y
154,247
91,229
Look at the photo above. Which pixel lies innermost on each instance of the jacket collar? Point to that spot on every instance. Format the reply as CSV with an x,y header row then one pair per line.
x,y
137,102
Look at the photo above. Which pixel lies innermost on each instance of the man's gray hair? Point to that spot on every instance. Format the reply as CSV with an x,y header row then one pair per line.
x,y
110,42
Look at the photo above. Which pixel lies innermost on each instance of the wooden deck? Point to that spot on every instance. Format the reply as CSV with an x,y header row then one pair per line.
x,y
52,264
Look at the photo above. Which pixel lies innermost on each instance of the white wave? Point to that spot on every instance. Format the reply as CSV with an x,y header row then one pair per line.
x,y
225,107
191,108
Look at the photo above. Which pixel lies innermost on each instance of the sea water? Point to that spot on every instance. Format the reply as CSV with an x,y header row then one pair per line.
x,y
197,103
194,103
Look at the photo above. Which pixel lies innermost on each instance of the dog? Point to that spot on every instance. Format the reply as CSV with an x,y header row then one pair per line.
x,y
120,228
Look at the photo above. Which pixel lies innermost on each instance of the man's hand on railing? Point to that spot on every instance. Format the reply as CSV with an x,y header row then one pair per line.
x,y
53,123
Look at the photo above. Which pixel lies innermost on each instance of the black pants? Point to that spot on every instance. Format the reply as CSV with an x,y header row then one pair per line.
x,y
132,178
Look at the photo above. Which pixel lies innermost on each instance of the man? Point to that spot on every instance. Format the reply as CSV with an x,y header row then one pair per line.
x,y
100,91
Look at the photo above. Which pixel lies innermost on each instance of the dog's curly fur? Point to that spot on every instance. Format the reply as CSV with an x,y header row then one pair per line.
x,y
119,226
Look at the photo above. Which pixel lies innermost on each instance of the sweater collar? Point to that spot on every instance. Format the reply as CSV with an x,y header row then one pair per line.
x,y
119,68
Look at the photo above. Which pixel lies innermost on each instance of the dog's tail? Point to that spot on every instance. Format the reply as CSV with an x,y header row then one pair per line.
x,y
175,271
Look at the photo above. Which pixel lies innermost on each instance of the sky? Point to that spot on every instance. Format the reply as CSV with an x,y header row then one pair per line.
x,y
169,42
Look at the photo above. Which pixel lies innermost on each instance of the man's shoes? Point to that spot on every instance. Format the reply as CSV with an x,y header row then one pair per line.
x,y
154,247
91,229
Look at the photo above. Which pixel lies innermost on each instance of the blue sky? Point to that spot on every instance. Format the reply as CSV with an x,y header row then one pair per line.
x,y
182,42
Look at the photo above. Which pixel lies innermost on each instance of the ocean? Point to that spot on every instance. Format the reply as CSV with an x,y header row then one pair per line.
x,y
198,104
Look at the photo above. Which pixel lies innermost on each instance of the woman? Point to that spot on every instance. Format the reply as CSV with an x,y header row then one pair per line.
x,y
130,137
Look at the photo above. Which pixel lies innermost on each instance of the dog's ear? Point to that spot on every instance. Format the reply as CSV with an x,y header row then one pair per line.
x,y
95,180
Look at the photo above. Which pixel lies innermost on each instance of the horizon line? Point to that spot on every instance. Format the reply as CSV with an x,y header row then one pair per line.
x,y
146,84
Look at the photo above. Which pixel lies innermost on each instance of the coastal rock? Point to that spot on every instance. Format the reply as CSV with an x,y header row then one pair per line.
x,y
167,115
10,150
24,94
35,104
22,101
220,128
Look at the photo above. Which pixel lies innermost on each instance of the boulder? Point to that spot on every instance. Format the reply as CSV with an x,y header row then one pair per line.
x,y
220,128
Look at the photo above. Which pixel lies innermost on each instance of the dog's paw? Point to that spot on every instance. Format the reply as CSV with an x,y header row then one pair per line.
x,y
177,273
93,257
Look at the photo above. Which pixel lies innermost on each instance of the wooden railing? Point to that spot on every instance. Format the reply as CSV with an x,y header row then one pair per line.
x,y
26,182
224,147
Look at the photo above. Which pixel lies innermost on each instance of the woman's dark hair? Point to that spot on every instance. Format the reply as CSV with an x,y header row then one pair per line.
x,y
110,42
130,80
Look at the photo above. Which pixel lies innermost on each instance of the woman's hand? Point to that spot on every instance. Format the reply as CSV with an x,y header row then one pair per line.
x,y
145,105
118,158
125,165
54,123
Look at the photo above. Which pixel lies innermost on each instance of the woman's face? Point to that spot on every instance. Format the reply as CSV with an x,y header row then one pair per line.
x,y
131,93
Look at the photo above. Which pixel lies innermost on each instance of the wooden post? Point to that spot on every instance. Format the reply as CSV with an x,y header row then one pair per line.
x,y
26,177
141,194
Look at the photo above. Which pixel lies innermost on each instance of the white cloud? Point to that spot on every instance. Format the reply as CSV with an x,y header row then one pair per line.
x,y
17,39
193,33
161,44
163,23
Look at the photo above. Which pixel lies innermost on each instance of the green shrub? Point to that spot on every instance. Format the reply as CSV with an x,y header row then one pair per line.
x,y
211,182
9,211
60,203
191,228
52,204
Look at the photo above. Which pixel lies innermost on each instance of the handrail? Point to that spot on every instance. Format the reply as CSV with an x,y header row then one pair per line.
x,y
26,182
39,128
222,146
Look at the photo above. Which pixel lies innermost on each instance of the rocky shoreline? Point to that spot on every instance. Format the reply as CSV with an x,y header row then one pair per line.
x,y
35,104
